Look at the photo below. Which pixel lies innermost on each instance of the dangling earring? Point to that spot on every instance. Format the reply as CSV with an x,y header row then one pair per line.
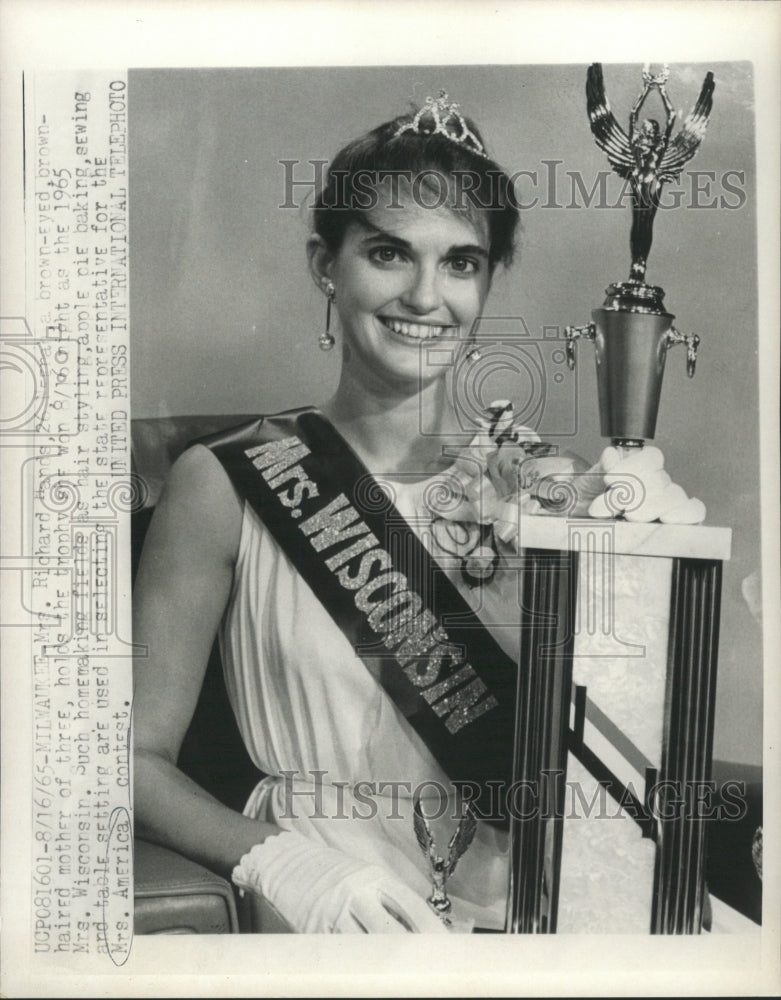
x,y
473,354
326,340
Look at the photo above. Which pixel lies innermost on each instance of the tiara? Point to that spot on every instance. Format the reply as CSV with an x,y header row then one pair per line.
x,y
440,117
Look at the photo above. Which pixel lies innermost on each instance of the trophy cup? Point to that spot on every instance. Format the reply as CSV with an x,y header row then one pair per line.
x,y
632,331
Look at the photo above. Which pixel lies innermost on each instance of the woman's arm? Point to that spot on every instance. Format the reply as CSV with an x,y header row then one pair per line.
x,y
183,583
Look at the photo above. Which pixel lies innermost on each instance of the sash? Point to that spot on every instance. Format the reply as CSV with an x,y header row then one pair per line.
x,y
395,605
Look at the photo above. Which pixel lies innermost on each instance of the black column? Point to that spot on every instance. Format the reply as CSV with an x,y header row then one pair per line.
x,y
687,746
549,587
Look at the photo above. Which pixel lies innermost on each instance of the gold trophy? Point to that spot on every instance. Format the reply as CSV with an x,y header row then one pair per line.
x,y
632,331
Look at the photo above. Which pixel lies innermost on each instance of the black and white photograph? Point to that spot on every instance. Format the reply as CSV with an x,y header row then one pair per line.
x,y
391,502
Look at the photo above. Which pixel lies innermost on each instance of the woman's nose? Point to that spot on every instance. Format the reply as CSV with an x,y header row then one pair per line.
x,y
423,294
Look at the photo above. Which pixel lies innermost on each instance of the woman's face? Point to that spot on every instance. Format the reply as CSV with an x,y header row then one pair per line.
x,y
409,279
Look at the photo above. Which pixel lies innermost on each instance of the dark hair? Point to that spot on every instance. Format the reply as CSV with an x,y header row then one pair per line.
x,y
466,180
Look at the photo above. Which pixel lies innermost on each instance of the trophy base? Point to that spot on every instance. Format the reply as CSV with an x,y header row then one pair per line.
x,y
627,442
635,297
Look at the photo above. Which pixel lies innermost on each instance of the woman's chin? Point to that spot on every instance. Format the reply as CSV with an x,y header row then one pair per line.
x,y
401,366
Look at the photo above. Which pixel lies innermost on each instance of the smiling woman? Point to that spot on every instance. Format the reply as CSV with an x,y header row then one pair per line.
x,y
333,599
404,277
408,233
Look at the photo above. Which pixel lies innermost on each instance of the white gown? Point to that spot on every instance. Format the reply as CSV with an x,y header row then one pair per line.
x,y
342,760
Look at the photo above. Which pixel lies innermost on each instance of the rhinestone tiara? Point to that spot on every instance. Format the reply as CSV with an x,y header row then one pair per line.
x,y
439,116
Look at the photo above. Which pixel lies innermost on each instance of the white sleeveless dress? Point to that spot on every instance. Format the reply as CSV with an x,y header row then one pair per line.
x,y
342,760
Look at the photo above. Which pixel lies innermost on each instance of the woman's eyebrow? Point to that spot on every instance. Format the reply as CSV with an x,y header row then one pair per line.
x,y
380,235
468,248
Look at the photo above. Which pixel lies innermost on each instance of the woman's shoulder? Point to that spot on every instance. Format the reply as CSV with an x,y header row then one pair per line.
x,y
198,466
199,499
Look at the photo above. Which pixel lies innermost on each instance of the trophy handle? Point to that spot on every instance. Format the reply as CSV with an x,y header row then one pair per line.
x,y
573,333
692,342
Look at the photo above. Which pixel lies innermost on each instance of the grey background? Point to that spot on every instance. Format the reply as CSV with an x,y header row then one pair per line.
x,y
224,316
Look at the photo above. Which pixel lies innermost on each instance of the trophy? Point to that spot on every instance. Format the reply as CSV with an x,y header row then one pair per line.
x,y
632,331
442,868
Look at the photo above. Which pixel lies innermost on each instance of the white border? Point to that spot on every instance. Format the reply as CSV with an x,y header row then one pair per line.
x,y
37,35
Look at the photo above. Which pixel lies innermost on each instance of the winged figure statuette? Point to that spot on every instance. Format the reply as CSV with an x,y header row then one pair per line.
x,y
649,156
442,868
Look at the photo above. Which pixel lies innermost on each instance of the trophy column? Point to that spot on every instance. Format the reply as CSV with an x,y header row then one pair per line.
x,y
695,605
615,729
549,581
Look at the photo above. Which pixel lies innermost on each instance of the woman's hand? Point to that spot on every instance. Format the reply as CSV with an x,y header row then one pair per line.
x,y
633,485
319,890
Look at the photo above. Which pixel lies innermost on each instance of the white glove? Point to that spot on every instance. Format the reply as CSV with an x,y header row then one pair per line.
x,y
639,488
319,890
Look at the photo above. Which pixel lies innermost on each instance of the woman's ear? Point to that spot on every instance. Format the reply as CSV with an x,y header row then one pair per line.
x,y
321,260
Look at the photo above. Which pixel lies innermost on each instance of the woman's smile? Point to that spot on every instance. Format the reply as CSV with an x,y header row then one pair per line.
x,y
417,332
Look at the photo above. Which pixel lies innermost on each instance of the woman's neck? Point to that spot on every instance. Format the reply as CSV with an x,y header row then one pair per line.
x,y
395,432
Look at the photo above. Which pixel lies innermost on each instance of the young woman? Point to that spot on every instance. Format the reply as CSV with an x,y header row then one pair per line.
x,y
408,232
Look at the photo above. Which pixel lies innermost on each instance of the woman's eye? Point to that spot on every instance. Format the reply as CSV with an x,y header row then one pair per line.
x,y
385,255
464,265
